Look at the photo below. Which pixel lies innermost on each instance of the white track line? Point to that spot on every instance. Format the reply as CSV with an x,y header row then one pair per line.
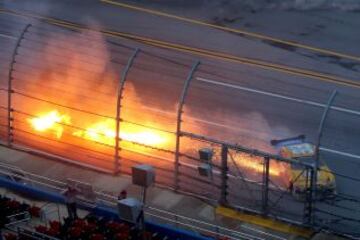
x,y
275,95
340,153
7,36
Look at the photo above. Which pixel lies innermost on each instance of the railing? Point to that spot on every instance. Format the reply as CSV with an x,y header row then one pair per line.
x,y
191,81
155,213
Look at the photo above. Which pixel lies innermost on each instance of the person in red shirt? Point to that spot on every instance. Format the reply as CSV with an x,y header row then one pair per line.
x,y
122,195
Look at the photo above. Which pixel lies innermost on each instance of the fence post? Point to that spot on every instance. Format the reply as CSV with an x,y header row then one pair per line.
x,y
118,109
10,90
317,152
265,191
309,208
224,174
178,122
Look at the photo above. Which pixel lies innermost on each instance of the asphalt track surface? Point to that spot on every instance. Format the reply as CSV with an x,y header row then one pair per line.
x,y
248,118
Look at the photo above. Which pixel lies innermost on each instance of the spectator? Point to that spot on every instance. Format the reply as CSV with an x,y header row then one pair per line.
x,y
3,221
122,195
291,186
70,199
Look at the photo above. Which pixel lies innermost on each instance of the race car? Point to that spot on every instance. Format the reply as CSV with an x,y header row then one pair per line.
x,y
299,183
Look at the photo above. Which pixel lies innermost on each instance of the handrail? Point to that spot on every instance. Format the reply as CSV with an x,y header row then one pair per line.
x,y
101,197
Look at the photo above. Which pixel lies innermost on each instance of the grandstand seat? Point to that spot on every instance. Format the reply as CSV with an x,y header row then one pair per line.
x,y
97,236
41,229
10,236
74,233
55,225
13,205
34,211
89,228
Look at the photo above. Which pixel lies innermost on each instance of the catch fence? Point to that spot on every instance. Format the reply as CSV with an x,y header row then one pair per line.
x,y
108,105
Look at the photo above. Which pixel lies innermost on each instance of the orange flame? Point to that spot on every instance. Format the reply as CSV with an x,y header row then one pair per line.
x,y
101,132
104,132
50,121
256,164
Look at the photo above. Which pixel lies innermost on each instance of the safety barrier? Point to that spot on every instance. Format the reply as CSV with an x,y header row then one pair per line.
x,y
61,96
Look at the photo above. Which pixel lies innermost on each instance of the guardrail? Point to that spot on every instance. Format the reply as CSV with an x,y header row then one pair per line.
x,y
17,174
177,168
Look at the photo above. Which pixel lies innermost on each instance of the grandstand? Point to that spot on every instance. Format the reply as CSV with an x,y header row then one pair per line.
x,y
33,212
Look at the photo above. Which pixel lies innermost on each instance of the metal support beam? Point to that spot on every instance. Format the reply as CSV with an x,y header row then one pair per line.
x,y
178,122
10,90
317,151
265,190
309,208
118,109
224,175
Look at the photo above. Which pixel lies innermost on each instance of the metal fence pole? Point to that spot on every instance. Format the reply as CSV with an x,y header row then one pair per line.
x,y
265,190
118,109
224,175
10,90
309,208
178,122
317,151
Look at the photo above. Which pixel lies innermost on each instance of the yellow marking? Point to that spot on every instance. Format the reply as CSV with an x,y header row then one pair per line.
x,y
265,222
250,34
200,52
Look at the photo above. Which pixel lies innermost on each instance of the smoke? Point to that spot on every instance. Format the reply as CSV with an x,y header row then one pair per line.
x,y
65,67
42,7
249,129
301,5
72,74
344,5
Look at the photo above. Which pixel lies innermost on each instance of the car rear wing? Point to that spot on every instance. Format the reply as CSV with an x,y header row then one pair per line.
x,y
278,143
294,147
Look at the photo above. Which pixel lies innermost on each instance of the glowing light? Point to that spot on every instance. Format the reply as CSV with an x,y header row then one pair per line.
x,y
50,121
146,138
256,164
104,132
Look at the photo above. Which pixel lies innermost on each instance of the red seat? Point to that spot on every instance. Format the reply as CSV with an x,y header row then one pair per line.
x,y
97,236
53,232
90,227
80,223
34,211
41,229
75,232
13,205
10,236
55,225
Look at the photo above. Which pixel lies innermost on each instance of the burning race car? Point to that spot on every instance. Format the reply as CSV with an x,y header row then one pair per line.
x,y
297,148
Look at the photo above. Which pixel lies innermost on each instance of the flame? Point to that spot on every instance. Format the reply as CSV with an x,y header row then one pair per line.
x,y
101,132
256,164
50,121
104,132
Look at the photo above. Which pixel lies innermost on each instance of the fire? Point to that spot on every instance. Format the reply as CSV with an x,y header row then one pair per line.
x,y
146,138
104,132
101,132
256,164
50,121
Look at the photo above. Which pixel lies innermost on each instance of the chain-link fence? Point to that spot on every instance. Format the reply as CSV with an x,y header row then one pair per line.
x,y
108,104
